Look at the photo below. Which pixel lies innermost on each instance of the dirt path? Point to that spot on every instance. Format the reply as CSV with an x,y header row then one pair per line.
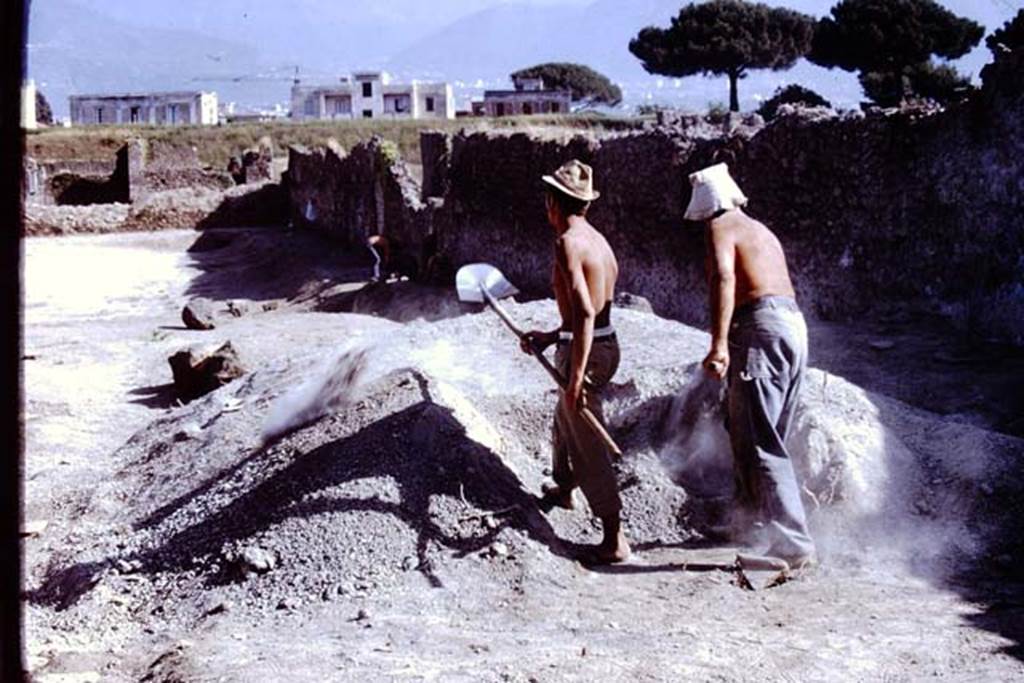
x,y
101,319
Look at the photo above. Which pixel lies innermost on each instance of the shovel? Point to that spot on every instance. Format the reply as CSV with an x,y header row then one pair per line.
x,y
483,283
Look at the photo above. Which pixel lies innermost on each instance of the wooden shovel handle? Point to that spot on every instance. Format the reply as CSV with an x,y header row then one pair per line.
x,y
587,414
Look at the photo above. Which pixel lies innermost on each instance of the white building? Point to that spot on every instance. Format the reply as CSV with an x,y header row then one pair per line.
x,y
161,108
371,95
28,105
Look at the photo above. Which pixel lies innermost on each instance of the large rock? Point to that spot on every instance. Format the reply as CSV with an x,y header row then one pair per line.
x,y
198,314
197,372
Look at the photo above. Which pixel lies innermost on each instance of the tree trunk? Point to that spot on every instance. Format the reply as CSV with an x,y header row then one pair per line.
x,y
734,95
903,80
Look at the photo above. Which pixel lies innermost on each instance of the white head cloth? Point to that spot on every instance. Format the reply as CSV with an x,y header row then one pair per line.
x,y
714,190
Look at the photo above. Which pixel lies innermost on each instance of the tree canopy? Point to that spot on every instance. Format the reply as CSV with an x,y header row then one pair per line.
x,y
891,43
44,114
587,86
725,37
791,94
1007,46
940,84
1010,36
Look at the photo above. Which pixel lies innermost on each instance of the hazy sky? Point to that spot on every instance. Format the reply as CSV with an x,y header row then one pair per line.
x,y
77,48
167,13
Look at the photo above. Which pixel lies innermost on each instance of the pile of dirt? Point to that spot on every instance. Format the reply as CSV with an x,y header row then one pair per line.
x,y
435,459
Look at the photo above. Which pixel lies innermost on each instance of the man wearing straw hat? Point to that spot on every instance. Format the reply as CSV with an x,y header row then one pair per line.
x,y
759,344
583,278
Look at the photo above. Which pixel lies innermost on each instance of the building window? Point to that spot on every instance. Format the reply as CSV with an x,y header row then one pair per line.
x,y
499,109
397,104
555,107
99,114
310,108
430,104
338,105
172,110
527,108
134,115
367,113
367,89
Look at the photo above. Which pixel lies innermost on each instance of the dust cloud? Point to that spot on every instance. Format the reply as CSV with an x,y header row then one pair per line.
x,y
697,454
328,389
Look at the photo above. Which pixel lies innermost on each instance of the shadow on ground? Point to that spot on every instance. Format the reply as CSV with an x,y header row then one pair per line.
x,y
925,361
157,396
423,450
308,271
958,515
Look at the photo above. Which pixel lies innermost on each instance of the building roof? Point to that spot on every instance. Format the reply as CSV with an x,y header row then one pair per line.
x,y
527,93
138,95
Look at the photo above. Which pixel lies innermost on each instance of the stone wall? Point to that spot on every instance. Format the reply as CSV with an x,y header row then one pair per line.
x,y
250,205
919,208
158,166
74,181
494,210
139,169
367,191
890,208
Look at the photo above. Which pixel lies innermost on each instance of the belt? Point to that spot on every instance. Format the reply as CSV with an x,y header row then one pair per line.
x,y
771,302
599,333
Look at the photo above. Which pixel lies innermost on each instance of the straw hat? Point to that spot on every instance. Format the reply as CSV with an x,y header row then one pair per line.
x,y
714,190
575,179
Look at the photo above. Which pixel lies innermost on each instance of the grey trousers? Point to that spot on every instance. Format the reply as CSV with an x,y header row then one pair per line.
x,y
376,261
579,456
768,357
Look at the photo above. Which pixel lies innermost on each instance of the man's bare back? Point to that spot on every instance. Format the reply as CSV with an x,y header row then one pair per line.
x,y
744,262
759,262
583,246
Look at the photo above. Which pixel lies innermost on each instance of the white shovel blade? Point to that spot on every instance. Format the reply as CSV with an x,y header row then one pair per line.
x,y
469,279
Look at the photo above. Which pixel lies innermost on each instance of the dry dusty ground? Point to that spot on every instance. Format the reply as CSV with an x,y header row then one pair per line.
x,y
397,538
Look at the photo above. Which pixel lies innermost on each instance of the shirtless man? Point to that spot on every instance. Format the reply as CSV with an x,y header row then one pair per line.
x,y
583,278
758,342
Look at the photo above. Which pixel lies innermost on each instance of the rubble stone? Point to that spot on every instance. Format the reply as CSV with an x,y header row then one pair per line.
x,y
197,372
198,314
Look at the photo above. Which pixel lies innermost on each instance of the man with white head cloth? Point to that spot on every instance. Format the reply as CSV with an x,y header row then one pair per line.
x,y
759,343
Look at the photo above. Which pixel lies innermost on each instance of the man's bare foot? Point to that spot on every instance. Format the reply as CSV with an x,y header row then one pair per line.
x,y
599,555
614,547
553,496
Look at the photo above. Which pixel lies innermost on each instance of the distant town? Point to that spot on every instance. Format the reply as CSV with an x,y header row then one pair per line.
x,y
360,95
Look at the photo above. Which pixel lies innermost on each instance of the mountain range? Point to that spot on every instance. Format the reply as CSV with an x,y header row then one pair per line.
x,y
249,52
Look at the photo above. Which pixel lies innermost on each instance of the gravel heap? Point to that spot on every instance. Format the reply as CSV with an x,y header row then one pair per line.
x,y
426,475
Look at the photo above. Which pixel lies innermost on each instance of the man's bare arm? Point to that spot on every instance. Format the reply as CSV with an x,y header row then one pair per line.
x,y
722,285
583,317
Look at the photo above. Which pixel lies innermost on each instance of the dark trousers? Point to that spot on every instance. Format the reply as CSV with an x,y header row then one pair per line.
x,y
579,456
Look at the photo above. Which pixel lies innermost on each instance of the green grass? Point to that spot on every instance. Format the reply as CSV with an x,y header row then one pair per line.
x,y
217,144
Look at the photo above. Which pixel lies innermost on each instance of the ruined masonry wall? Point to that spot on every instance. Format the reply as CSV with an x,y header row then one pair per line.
x,y
350,196
885,209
